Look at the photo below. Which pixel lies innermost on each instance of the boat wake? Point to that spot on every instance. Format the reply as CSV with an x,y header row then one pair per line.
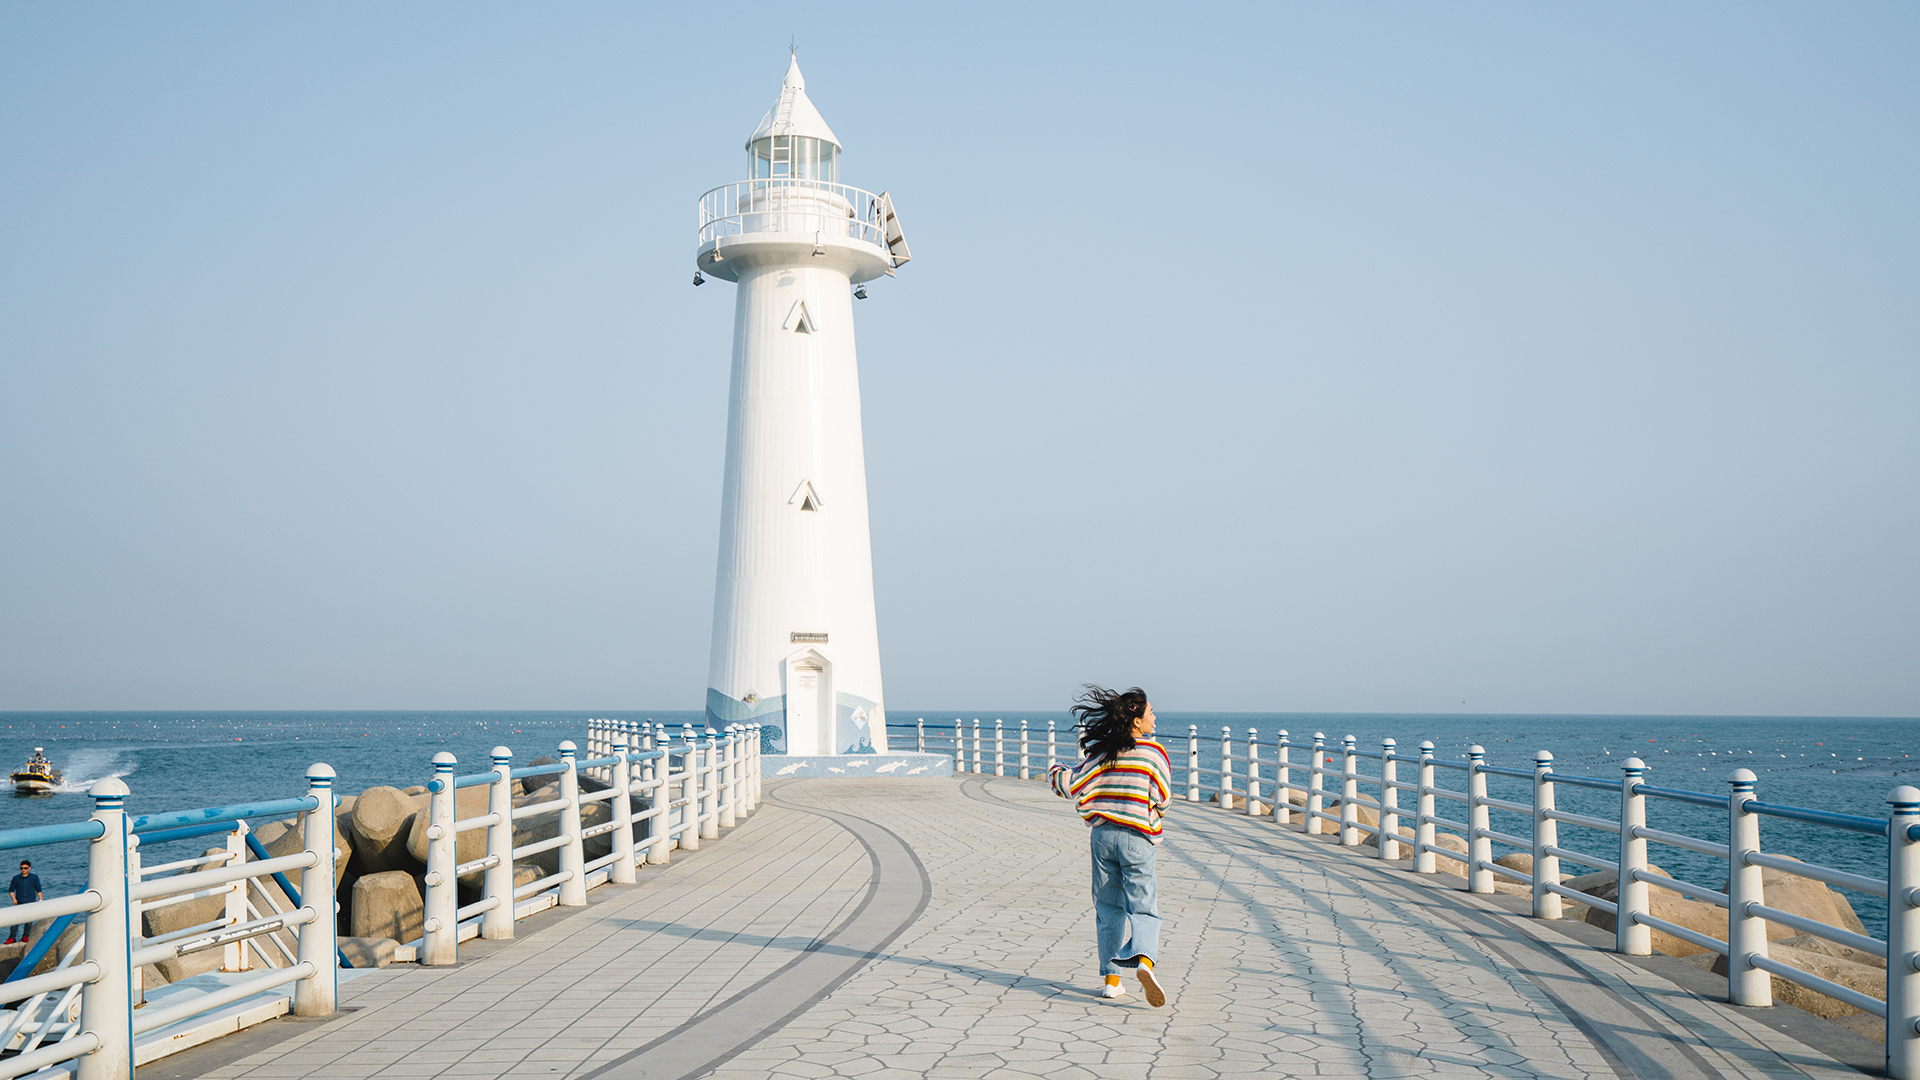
x,y
88,767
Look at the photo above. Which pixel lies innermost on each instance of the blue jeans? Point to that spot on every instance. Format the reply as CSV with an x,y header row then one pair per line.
x,y
1124,891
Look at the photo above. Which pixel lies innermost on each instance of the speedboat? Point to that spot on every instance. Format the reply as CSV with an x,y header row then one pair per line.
x,y
37,776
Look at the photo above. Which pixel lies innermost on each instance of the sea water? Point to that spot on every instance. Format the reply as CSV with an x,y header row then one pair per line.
x,y
185,760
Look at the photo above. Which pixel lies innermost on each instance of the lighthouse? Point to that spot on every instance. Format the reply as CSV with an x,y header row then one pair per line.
x,y
796,647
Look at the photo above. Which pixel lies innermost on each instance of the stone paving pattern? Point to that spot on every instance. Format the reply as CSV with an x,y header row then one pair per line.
x,y
808,943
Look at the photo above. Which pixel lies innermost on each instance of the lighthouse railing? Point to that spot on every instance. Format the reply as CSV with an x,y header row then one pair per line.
x,y
806,208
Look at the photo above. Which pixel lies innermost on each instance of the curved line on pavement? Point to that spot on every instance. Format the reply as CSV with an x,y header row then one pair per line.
x,y
718,1034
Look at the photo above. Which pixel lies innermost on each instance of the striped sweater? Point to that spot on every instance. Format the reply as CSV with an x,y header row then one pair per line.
x,y
1132,789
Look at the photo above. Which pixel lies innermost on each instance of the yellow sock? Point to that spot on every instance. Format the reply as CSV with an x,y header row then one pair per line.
x,y
1145,962
1113,980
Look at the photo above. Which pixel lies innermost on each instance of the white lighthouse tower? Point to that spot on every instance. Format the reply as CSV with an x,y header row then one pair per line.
x,y
795,644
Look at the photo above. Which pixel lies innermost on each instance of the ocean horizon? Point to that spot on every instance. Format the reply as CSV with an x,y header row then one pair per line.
x,y
185,759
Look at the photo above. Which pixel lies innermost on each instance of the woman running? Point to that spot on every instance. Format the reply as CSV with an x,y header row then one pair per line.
x,y
1121,789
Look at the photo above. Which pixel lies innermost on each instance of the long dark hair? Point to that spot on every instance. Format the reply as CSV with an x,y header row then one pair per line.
x,y
1105,719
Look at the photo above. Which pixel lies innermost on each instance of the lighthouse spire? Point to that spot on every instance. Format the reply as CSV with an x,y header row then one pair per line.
x,y
792,112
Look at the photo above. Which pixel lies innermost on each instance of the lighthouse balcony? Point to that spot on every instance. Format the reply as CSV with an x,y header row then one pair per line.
x,y
780,220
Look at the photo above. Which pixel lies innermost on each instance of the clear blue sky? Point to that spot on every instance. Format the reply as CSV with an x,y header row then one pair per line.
x,y
1283,357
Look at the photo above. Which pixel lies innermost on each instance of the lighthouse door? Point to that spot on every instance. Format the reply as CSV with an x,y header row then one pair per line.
x,y
803,706
809,704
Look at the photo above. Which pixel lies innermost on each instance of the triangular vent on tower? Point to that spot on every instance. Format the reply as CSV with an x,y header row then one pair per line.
x,y
805,497
800,320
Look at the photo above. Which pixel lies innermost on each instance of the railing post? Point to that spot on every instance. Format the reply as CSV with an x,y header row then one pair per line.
x,y
106,1004
959,747
136,979
654,781
710,791
726,778
1746,932
1316,782
1253,771
1026,773
689,833
1389,802
1193,763
1630,935
737,771
1423,857
754,748
439,949
1903,935
1546,837
497,923
573,858
1349,793
740,784
920,735
1282,780
1226,768
1053,749
319,943
1479,823
978,767
999,747
233,957
621,873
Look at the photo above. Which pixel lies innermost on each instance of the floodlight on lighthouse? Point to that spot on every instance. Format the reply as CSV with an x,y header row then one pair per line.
x,y
799,246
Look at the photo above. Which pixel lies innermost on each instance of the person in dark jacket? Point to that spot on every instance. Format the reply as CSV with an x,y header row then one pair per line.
x,y
24,889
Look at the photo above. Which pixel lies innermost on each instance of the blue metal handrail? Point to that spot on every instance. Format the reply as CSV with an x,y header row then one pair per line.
x,y
36,835
1849,822
438,784
1586,782
238,811
1718,802
188,833
525,771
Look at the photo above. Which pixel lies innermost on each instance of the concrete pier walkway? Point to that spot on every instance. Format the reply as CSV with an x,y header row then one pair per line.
x,y
942,928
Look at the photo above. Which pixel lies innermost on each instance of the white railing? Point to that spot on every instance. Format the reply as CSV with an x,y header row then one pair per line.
x,y
807,209
990,754
85,1013
1241,780
101,969
695,785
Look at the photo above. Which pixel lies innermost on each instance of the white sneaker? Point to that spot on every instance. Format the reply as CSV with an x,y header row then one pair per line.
x,y
1156,997
1113,990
